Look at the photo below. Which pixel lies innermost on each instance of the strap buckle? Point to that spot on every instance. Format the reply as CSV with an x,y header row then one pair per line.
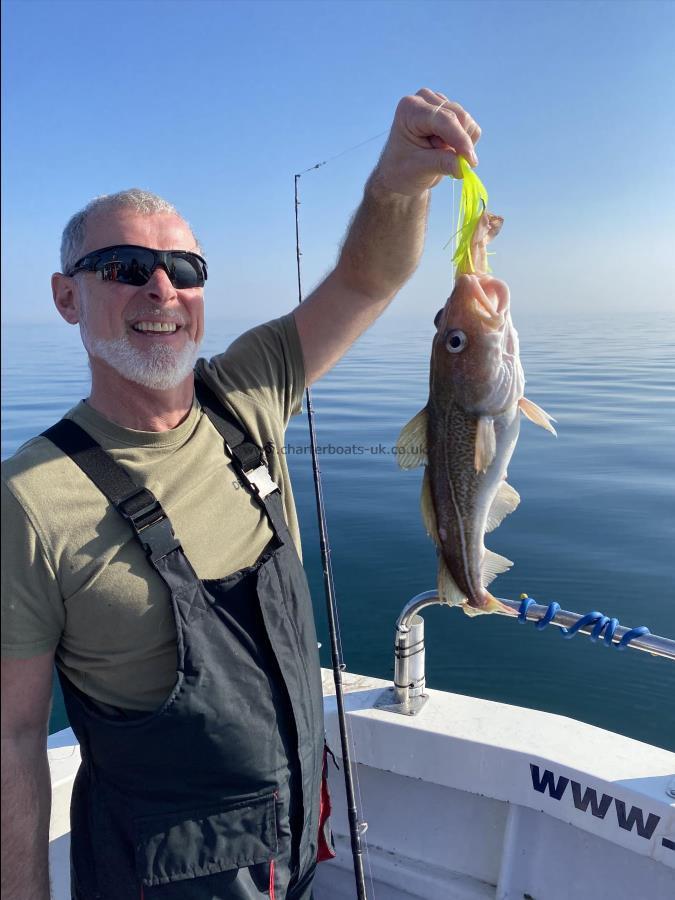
x,y
259,478
150,523
262,482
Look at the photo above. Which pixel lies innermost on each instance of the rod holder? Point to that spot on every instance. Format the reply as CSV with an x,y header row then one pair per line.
x,y
409,678
408,695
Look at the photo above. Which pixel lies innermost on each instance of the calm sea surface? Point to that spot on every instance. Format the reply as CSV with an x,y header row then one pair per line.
x,y
595,528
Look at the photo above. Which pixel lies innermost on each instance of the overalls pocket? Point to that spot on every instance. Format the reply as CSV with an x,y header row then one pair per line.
x,y
182,845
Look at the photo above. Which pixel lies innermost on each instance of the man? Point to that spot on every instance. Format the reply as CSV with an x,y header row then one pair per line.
x,y
151,551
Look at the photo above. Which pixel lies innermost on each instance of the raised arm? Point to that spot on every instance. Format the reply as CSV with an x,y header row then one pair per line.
x,y
385,238
26,788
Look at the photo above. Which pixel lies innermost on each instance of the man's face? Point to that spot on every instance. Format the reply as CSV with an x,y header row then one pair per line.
x,y
114,318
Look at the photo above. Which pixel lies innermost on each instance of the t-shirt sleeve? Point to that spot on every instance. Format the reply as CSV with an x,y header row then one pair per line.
x,y
266,364
33,614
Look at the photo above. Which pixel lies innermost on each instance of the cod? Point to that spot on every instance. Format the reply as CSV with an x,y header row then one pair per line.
x,y
466,434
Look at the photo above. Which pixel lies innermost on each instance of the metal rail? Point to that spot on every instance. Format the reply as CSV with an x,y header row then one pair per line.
x,y
409,674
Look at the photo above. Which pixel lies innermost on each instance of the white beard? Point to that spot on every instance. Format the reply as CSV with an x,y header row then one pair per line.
x,y
160,367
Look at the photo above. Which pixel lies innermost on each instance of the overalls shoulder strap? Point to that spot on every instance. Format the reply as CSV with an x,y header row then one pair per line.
x,y
247,457
138,505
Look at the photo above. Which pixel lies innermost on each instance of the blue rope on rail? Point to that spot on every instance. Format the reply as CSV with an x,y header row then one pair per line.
x,y
603,627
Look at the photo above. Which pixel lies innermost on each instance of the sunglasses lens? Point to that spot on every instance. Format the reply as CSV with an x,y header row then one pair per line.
x,y
126,265
186,271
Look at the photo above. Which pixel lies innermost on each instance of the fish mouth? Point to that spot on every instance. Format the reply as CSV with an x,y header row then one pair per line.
x,y
490,308
490,317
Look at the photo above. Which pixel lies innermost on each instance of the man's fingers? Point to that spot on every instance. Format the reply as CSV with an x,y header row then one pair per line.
x,y
430,95
446,124
447,164
446,159
467,122
443,118
471,127
438,144
435,97
429,135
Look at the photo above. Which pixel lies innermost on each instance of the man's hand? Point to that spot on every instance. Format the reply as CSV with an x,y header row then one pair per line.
x,y
428,134
386,236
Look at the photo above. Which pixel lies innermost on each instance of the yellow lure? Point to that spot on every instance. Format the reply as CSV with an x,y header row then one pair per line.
x,y
472,204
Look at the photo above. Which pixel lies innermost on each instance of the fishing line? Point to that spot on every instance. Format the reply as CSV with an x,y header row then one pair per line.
x,y
454,236
452,240
342,153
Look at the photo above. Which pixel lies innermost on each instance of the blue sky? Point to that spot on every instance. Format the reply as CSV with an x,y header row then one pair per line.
x,y
217,104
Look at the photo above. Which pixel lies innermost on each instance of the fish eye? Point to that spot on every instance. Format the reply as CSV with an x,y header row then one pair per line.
x,y
455,341
437,318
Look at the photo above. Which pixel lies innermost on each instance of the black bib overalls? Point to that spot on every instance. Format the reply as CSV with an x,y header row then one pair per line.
x,y
215,795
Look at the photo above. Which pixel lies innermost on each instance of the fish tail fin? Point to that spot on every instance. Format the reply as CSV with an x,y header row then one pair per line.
x,y
493,606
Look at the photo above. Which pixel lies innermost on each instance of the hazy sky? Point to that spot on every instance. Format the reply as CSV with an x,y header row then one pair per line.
x,y
217,104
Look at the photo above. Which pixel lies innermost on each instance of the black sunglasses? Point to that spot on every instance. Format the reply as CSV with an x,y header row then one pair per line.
x,y
129,264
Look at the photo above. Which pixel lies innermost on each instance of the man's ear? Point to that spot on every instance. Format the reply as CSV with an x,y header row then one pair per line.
x,y
65,296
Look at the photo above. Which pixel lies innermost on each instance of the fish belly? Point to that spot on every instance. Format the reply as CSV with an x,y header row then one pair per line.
x,y
455,489
462,496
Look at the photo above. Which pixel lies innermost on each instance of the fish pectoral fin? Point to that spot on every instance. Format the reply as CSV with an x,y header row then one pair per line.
x,y
493,605
536,414
506,500
486,443
493,565
428,510
411,445
448,591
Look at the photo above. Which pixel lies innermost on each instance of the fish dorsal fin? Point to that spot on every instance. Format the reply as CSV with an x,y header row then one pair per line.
x,y
536,414
448,591
411,445
506,500
493,565
428,510
486,443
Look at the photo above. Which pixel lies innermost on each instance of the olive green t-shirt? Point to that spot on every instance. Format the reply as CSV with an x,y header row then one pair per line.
x,y
75,579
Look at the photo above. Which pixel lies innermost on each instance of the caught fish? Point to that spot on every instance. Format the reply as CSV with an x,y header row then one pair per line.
x,y
467,432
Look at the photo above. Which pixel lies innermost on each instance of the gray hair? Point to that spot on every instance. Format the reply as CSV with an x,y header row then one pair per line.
x,y
142,202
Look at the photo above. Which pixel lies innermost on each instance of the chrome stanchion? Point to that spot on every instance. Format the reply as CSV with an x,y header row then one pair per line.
x,y
408,695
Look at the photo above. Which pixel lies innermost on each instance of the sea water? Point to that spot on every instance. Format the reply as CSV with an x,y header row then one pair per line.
x,y
595,529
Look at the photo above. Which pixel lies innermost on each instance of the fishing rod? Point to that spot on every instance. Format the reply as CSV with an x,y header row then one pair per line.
x,y
356,827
